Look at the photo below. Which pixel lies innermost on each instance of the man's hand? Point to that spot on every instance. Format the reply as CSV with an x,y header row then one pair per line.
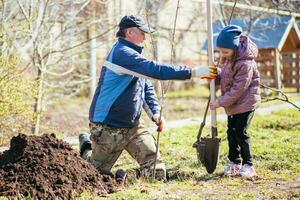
x,y
159,122
214,105
206,72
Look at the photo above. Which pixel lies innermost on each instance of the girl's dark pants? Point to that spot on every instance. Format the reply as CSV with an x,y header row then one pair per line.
x,y
238,138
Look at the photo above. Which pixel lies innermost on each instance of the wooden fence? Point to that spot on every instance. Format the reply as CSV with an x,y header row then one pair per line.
x,y
266,65
289,68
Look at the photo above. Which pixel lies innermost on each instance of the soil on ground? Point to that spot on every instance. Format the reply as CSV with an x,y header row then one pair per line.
x,y
44,167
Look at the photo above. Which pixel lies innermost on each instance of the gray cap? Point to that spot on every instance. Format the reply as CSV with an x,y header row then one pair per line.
x,y
135,21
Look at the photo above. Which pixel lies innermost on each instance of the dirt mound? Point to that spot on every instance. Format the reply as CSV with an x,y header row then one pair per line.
x,y
44,167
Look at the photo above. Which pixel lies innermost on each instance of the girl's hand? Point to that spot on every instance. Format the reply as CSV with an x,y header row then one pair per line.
x,y
214,105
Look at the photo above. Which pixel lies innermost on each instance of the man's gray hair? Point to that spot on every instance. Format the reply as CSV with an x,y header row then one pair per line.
x,y
121,32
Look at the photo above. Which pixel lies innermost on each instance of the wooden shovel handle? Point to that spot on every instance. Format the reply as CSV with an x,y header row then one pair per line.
x,y
211,62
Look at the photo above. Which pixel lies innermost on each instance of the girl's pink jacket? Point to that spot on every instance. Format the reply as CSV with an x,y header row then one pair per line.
x,y
240,83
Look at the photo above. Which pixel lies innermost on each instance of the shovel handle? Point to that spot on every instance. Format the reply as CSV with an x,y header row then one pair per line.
x,y
210,62
203,121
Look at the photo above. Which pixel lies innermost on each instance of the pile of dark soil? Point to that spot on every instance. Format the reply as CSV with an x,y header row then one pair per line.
x,y
45,167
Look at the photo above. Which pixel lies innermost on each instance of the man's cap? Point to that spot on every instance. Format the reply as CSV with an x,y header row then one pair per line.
x,y
129,21
229,37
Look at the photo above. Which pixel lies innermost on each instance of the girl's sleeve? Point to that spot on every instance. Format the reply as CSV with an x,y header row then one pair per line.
x,y
218,80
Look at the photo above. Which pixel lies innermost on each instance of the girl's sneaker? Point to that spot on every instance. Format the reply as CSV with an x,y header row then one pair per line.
x,y
247,171
232,169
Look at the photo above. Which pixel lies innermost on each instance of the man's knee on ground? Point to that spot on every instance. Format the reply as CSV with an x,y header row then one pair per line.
x,y
160,171
148,160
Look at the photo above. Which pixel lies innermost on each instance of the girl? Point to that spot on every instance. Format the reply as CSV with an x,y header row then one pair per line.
x,y
240,96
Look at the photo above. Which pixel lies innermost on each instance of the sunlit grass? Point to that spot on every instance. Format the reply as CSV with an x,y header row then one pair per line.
x,y
201,91
276,147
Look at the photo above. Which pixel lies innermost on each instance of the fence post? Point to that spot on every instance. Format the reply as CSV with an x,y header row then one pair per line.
x,y
278,70
298,70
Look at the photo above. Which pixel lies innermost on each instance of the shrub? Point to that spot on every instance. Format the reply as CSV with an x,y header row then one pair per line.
x,y
16,98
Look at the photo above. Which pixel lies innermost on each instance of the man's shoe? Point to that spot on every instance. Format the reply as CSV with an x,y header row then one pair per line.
x,y
161,172
232,169
121,176
84,143
247,171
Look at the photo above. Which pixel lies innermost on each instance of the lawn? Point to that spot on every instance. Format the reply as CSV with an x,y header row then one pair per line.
x,y
275,141
276,147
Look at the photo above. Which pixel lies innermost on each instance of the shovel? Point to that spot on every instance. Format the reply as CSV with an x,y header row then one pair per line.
x,y
207,148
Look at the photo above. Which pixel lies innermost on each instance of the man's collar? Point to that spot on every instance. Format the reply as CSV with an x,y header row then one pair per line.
x,y
131,45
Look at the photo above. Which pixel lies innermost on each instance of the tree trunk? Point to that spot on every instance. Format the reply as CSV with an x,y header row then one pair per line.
x,y
93,55
38,103
93,65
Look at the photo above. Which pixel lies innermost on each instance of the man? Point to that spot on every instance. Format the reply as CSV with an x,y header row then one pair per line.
x,y
123,89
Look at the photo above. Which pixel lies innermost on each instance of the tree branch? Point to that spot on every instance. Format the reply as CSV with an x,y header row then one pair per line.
x,y
81,43
284,96
23,11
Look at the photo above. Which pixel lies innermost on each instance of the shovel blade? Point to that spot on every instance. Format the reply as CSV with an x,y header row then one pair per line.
x,y
208,152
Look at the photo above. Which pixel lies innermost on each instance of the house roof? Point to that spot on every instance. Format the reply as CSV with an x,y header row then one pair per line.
x,y
265,32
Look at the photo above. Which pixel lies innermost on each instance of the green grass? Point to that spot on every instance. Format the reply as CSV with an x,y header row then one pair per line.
x,y
199,91
289,90
276,147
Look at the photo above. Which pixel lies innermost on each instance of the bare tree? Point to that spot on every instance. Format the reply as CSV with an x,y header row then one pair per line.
x,y
51,32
